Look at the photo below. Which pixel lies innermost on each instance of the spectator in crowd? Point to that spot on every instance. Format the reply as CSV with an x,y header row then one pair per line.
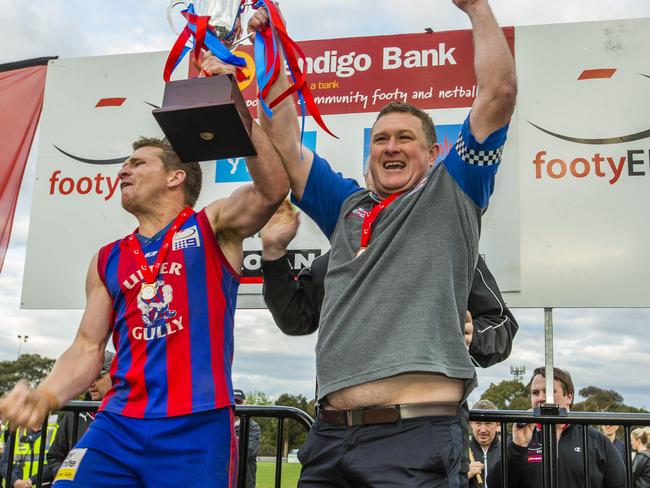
x,y
641,464
610,433
525,446
485,448
254,437
27,448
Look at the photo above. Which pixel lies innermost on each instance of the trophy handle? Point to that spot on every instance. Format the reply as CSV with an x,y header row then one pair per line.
x,y
173,4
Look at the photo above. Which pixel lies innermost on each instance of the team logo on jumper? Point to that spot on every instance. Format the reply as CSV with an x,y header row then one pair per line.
x,y
186,238
360,212
535,454
154,302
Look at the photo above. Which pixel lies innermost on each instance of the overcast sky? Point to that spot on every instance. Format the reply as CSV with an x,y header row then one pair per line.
x,y
602,347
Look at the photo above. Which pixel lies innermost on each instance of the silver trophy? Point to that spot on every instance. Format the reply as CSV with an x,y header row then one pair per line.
x,y
206,118
224,18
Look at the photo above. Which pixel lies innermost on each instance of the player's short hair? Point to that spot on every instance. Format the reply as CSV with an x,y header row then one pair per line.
x,y
427,123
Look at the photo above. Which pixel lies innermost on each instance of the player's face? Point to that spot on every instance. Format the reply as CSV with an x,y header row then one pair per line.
x,y
538,393
142,178
399,153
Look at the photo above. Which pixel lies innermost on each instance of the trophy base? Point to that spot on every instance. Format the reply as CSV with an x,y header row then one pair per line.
x,y
206,119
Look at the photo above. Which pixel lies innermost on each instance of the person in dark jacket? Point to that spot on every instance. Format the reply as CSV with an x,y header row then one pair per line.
x,y
485,448
610,433
641,464
525,454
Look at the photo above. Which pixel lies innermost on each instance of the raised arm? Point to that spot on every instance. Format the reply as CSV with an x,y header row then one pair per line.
x,y
294,303
494,325
74,371
495,70
283,128
248,208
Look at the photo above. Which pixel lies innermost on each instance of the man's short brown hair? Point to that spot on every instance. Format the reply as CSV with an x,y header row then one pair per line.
x,y
562,376
484,405
171,161
427,123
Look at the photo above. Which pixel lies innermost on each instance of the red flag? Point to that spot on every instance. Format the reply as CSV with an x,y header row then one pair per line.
x,y
21,101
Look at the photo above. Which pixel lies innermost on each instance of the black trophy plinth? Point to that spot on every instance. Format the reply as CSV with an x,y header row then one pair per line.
x,y
206,119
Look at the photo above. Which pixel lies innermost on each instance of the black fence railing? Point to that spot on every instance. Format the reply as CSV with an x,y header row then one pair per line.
x,y
244,412
548,418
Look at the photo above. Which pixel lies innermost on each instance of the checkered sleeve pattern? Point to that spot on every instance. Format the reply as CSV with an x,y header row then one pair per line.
x,y
477,157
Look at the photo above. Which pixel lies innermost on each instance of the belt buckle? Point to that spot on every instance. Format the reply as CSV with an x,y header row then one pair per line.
x,y
354,418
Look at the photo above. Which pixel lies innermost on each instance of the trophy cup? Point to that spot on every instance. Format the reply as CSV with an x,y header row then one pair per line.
x,y
206,118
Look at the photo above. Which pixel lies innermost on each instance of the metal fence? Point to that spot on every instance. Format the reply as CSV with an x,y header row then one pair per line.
x,y
548,418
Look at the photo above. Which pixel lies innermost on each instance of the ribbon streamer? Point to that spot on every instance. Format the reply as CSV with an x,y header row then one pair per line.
x,y
203,37
267,57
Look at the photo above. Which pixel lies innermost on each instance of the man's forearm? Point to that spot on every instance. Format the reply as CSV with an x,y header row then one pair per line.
x,y
266,170
493,65
73,372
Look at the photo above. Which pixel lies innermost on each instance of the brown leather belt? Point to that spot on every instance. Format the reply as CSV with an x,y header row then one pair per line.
x,y
387,414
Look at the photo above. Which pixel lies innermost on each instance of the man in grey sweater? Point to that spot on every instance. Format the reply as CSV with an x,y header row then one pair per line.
x,y
391,362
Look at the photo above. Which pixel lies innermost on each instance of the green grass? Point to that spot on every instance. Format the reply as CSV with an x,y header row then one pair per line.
x,y
266,475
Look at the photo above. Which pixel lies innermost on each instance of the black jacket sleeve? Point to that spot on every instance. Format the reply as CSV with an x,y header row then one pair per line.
x,y
294,302
494,325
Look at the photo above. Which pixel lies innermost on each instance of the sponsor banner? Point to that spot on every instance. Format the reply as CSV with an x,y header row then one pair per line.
x,y
362,74
584,162
95,107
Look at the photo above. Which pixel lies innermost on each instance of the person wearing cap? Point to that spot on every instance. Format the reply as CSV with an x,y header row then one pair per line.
x,y
64,440
254,435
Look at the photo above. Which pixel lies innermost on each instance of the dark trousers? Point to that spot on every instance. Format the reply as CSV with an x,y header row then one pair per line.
x,y
423,452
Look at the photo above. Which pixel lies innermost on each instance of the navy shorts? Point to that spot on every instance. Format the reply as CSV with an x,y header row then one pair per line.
x,y
409,453
189,450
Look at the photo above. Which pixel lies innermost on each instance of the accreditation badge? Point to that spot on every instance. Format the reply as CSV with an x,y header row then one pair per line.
x,y
70,465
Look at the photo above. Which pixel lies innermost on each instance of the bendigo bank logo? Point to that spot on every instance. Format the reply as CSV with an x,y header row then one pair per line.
x,y
600,162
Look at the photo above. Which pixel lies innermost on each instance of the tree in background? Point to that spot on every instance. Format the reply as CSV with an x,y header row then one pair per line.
x,y
294,433
599,400
32,367
508,395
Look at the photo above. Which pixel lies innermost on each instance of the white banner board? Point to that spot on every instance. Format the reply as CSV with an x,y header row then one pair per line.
x,y
552,236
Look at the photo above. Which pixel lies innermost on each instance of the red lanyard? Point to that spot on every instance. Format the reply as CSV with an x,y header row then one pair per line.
x,y
149,273
366,231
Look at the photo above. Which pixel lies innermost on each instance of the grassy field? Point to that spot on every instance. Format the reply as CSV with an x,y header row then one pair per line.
x,y
266,475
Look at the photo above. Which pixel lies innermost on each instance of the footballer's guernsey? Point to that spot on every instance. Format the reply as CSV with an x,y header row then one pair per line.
x,y
173,329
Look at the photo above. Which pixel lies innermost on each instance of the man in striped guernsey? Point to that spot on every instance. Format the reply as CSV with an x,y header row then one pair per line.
x,y
166,294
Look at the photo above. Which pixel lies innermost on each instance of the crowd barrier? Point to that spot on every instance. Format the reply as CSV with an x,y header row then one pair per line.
x,y
547,417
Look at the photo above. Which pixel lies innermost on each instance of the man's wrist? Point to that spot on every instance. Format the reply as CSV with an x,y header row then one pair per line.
x,y
272,253
276,267
47,395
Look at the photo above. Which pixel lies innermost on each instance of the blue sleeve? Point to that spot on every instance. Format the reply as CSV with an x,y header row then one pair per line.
x,y
474,165
324,194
